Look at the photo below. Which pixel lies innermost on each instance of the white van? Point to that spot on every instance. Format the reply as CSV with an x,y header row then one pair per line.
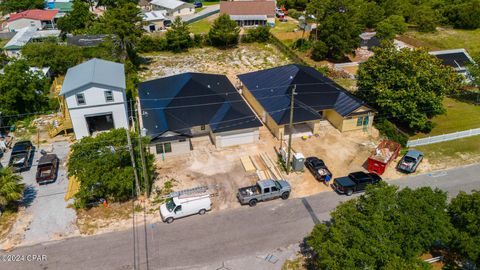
x,y
182,206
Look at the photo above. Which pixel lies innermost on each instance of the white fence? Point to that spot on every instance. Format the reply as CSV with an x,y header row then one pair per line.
x,y
444,137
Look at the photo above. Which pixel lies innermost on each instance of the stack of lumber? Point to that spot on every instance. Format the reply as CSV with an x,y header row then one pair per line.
x,y
262,165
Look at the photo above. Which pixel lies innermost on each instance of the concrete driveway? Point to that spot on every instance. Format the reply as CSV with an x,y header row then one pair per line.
x,y
46,216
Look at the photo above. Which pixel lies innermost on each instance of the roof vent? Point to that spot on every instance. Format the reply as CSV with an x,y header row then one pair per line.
x,y
291,77
208,85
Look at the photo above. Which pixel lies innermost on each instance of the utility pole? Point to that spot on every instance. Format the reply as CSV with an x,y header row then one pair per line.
x,y
142,156
132,157
292,104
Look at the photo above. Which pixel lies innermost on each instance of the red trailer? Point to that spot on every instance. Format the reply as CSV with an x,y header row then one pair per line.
x,y
385,152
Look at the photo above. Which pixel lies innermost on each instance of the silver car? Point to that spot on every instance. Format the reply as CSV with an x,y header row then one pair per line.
x,y
410,161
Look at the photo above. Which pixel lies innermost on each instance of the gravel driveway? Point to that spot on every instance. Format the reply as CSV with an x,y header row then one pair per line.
x,y
46,216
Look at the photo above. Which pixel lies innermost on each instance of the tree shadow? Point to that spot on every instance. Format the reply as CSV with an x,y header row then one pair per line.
x,y
29,194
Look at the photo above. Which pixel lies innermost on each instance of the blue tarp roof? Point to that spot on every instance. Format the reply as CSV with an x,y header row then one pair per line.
x,y
180,102
315,92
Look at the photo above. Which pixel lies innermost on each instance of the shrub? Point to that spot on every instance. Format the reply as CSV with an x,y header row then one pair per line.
x,y
294,13
319,51
258,34
302,45
389,130
151,44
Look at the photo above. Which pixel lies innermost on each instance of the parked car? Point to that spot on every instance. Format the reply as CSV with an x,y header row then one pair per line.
x,y
410,161
318,168
47,169
197,4
178,207
264,190
22,153
355,182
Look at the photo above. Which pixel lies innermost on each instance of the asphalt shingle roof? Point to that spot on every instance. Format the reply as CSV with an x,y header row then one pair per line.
x,y
178,103
97,71
315,92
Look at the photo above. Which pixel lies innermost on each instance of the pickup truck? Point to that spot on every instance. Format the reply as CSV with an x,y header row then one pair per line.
x,y
355,182
264,190
47,169
318,168
21,156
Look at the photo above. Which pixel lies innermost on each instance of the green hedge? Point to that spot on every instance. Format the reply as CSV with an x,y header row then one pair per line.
x,y
389,130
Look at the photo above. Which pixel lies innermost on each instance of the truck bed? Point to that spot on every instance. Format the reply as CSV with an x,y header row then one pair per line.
x,y
249,191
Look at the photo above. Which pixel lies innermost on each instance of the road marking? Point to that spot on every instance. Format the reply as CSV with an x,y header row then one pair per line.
x,y
310,211
438,174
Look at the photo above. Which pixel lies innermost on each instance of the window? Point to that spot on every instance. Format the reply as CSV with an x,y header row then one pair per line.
x,y
266,190
359,121
80,99
274,189
202,127
178,209
108,96
365,121
163,148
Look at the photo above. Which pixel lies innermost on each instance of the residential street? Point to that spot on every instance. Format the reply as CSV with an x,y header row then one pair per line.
x,y
206,241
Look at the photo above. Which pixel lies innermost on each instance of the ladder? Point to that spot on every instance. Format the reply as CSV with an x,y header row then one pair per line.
x,y
187,192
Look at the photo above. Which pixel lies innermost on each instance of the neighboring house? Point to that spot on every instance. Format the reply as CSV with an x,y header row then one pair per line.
x,y
43,71
458,59
64,6
94,92
318,98
145,5
85,40
368,40
37,18
154,20
26,35
173,8
177,108
250,13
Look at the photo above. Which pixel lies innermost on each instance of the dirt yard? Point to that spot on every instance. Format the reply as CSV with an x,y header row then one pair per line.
x,y
231,62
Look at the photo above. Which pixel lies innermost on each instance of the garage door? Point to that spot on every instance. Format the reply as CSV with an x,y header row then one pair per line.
x,y
236,139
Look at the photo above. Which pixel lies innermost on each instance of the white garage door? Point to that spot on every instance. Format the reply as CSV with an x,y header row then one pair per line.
x,y
236,139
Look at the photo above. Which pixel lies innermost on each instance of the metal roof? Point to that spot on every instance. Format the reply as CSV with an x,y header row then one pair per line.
x,y
156,15
248,17
169,4
315,92
178,103
456,58
96,71
26,34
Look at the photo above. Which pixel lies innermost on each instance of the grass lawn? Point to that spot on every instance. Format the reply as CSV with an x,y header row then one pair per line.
x,y
199,9
211,3
459,116
202,26
461,151
446,39
7,219
3,42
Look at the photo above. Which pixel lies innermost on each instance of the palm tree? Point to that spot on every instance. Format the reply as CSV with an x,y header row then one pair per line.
x,y
10,187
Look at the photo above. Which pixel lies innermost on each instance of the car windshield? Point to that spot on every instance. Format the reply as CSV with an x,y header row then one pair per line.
x,y
170,204
409,159
277,184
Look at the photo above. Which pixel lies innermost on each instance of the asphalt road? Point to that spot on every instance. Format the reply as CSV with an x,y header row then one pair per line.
x,y
215,237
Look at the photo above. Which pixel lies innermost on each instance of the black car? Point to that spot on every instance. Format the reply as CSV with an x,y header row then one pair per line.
x,y
318,168
22,154
47,169
355,182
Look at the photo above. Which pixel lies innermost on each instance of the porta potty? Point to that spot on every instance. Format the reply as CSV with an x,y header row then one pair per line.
x,y
298,161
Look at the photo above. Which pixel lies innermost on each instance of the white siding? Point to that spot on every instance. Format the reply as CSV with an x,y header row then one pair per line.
x,y
178,148
96,105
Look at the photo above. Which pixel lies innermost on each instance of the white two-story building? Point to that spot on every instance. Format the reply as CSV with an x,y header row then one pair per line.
x,y
94,92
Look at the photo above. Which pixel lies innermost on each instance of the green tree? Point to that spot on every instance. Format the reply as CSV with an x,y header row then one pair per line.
x,y
124,23
49,54
257,34
78,20
391,26
178,36
426,18
103,167
406,86
224,32
22,91
11,189
464,15
370,13
474,70
464,211
8,6
385,228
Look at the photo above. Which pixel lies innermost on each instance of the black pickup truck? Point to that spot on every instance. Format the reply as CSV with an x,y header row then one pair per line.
x,y
355,182
318,168
21,157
